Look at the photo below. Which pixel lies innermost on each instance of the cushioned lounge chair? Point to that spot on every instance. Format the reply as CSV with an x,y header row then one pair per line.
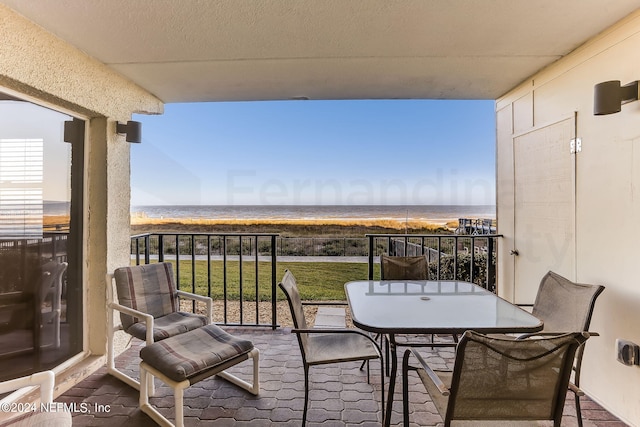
x,y
34,418
149,307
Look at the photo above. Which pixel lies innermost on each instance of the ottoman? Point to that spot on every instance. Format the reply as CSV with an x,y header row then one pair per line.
x,y
185,359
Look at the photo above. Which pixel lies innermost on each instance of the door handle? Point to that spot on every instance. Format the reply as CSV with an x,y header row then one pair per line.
x,y
514,252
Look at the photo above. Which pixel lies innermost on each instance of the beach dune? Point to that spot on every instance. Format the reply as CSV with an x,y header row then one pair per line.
x,y
289,227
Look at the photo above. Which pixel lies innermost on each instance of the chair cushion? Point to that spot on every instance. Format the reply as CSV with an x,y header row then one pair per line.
x,y
168,326
148,288
189,354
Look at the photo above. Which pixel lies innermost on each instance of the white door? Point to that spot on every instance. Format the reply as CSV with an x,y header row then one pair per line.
x,y
544,169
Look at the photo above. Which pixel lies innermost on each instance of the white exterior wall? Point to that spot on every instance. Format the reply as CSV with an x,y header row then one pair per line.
x,y
37,66
607,223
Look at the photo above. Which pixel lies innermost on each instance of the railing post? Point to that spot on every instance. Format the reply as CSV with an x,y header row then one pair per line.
x,y
257,282
274,318
147,258
209,266
491,266
455,258
240,280
178,261
224,278
160,247
193,269
473,256
439,256
137,245
370,257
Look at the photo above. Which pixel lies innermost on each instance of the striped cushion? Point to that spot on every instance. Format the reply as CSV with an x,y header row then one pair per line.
x,y
186,355
147,288
168,326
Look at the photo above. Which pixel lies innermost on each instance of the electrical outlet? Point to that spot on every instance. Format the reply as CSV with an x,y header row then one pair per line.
x,y
628,353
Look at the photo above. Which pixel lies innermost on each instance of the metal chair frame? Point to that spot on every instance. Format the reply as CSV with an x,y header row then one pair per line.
x,y
568,344
301,331
550,329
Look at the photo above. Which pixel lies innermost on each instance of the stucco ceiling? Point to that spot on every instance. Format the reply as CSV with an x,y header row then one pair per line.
x,y
207,50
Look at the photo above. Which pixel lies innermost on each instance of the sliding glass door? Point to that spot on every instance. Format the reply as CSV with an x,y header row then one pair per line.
x,y
41,180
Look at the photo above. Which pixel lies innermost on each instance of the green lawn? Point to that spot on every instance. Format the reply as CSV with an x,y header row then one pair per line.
x,y
319,281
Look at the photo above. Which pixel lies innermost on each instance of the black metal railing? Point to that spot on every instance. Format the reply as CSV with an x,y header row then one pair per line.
x,y
238,270
450,257
322,246
49,246
244,266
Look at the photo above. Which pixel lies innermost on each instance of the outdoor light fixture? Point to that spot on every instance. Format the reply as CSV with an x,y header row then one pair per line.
x,y
609,96
73,131
133,130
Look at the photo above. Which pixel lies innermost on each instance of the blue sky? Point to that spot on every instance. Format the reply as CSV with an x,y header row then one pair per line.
x,y
396,152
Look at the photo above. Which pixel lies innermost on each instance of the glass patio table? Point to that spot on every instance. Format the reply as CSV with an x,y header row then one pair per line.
x,y
393,307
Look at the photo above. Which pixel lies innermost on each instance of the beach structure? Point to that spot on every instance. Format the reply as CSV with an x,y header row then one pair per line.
x,y
567,179
475,226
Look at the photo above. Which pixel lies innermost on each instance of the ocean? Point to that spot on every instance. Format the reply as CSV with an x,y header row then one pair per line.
x,y
434,213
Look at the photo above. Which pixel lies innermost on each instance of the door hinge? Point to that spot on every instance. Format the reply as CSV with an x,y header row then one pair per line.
x,y
576,145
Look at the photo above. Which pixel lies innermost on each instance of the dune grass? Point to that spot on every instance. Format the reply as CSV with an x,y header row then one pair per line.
x,y
319,281
285,227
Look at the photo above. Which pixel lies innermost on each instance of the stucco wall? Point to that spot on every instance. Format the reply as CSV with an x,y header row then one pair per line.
x,y
607,191
44,69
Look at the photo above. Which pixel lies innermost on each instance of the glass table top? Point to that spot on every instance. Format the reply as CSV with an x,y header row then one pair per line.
x,y
433,307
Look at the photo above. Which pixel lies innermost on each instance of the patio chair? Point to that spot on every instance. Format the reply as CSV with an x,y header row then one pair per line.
x,y
500,379
403,267
149,307
51,297
30,321
566,306
32,416
326,346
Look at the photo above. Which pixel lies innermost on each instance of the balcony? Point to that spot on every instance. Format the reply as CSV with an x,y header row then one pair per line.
x,y
251,265
339,396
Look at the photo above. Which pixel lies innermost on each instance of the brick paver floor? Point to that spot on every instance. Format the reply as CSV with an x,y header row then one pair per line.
x,y
339,396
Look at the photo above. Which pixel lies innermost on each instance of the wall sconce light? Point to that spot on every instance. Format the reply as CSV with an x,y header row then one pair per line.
x,y
133,130
74,131
610,96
